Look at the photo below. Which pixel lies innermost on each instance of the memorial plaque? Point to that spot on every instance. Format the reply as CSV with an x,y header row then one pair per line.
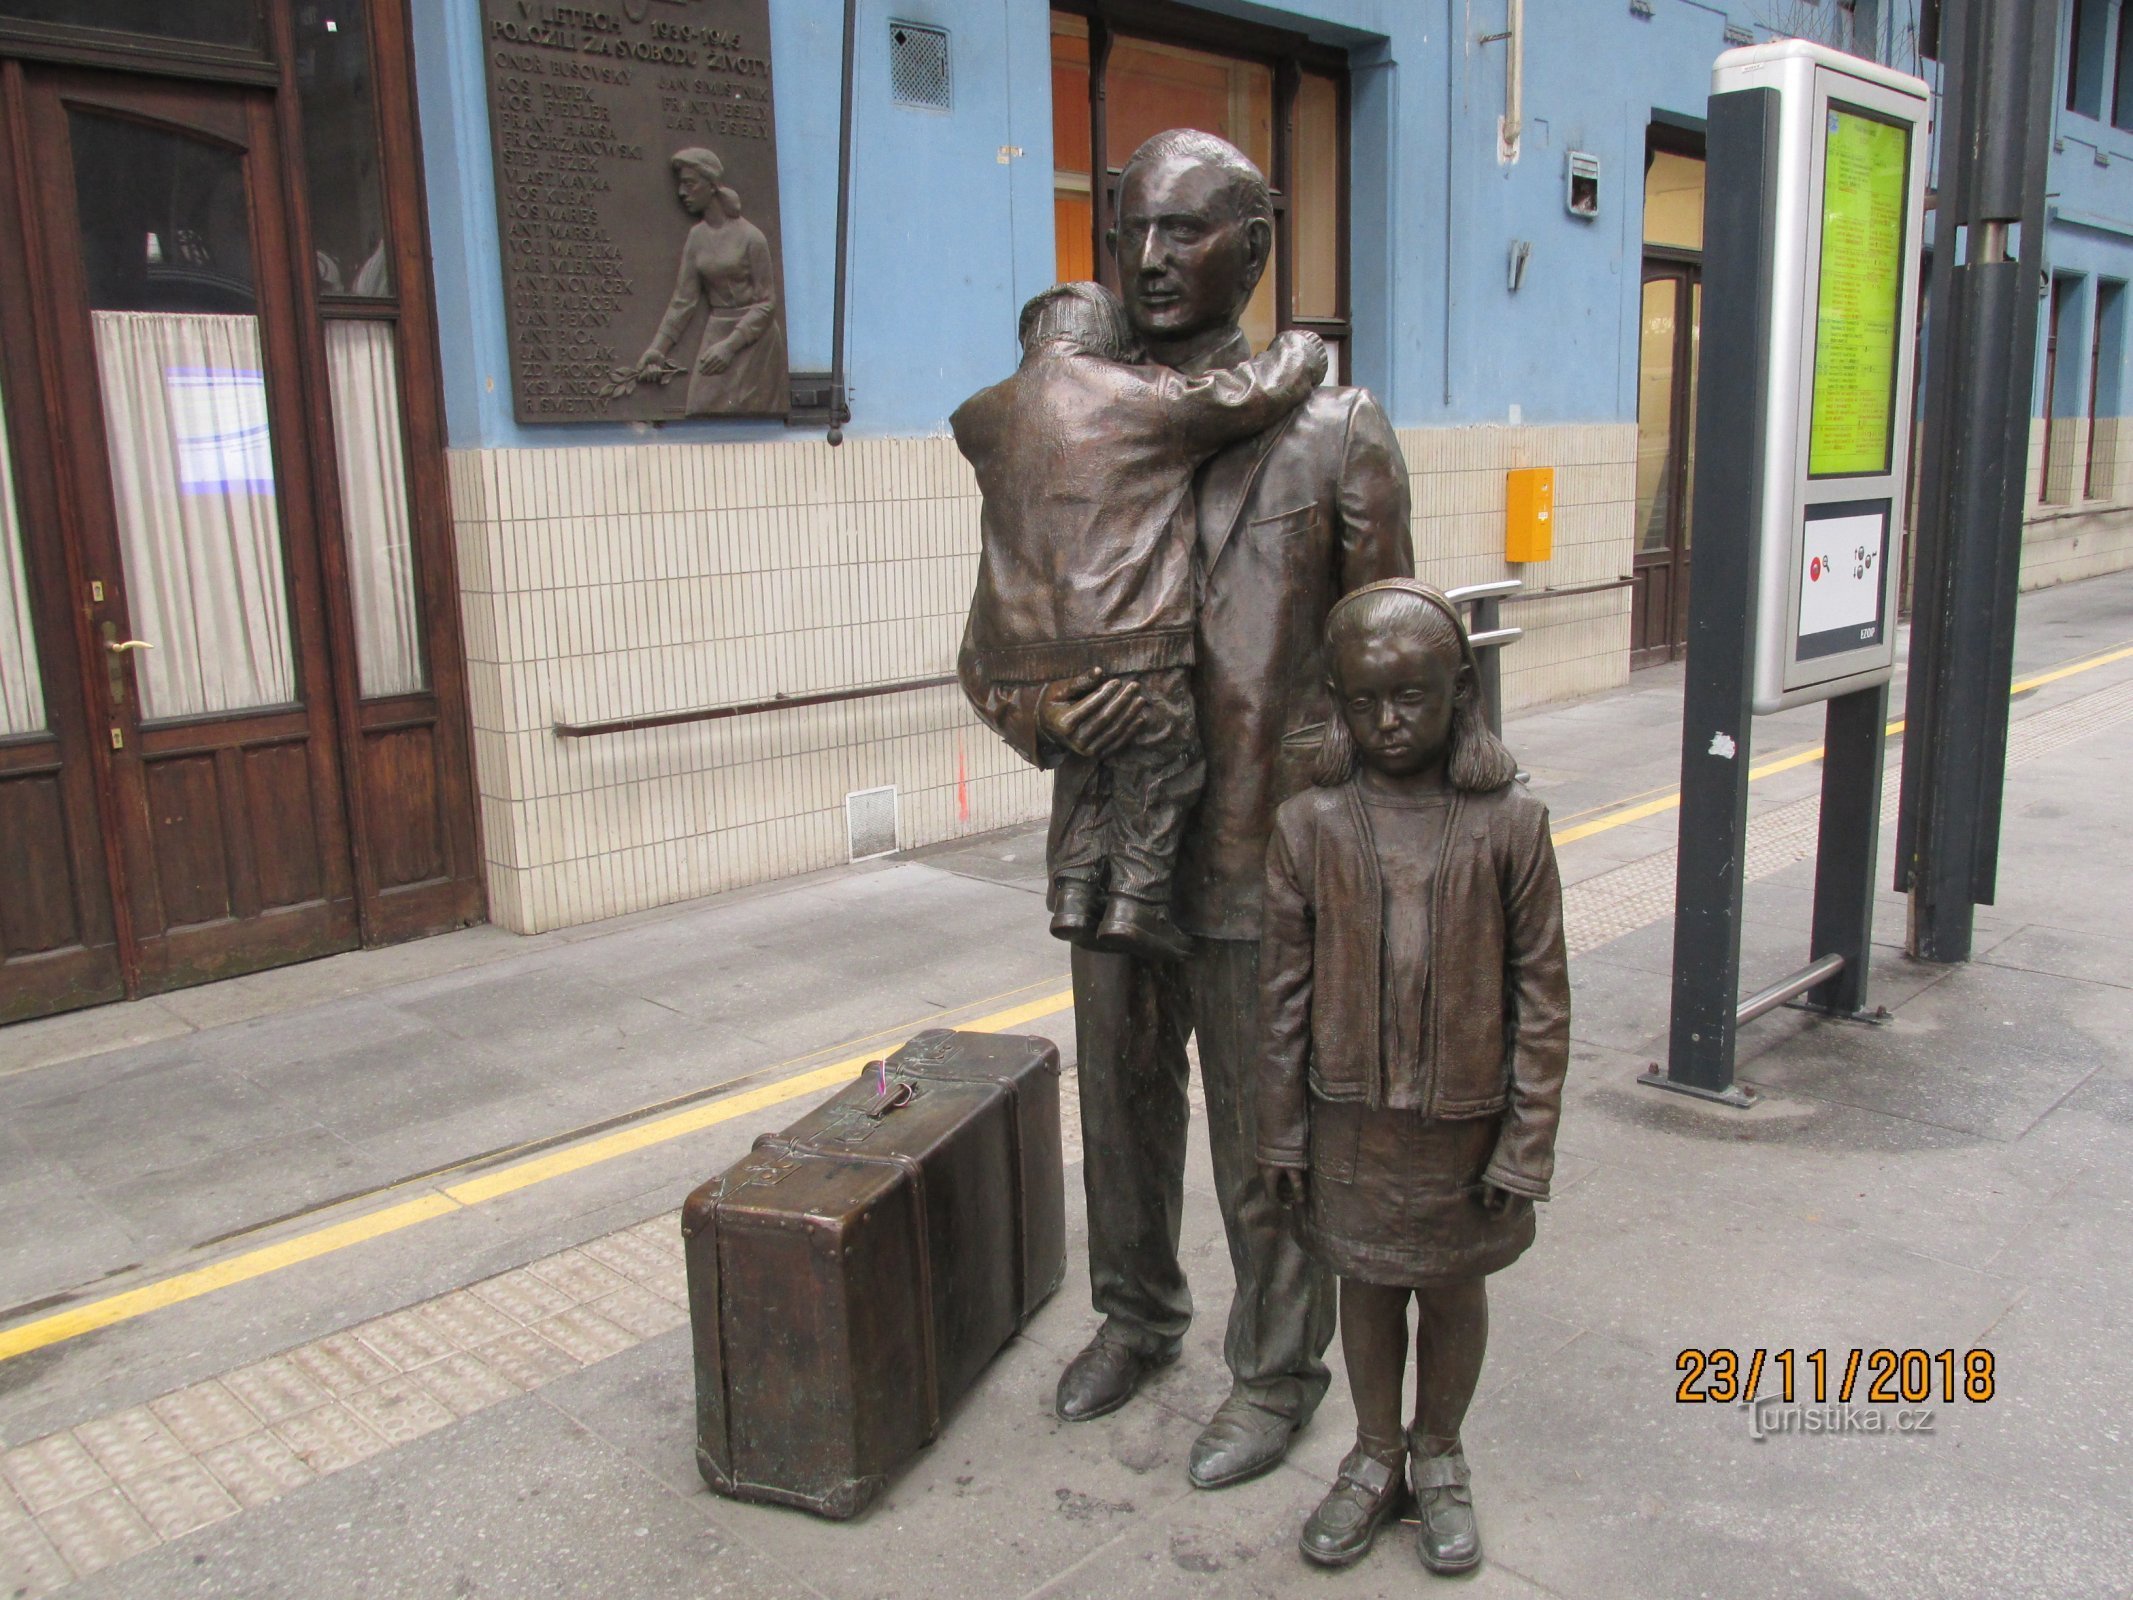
x,y
637,201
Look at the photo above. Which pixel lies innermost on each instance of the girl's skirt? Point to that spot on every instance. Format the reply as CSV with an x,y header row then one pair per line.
x,y
1395,1197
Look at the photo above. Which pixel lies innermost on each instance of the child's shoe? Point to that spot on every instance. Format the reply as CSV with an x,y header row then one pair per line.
x,y
1445,1532
1368,1494
1077,904
1141,928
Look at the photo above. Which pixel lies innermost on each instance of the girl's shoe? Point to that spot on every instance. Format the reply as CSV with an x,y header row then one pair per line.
x,y
1446,1533
1368,1494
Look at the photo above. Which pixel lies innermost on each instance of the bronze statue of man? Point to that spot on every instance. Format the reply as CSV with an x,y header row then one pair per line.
x,y
1287,522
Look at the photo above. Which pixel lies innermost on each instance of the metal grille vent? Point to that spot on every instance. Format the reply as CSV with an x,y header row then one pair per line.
x,y
870,821
918,65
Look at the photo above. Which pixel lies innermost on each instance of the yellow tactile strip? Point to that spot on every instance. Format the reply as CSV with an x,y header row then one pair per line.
x,y
75,1502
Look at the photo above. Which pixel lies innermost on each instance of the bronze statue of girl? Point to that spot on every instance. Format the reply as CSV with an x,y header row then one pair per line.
x,y
1415,1012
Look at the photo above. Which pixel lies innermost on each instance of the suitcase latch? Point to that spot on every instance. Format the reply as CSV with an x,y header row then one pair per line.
x,y
765,1172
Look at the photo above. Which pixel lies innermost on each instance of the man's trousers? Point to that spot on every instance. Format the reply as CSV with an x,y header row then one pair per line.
x,y
1132,1019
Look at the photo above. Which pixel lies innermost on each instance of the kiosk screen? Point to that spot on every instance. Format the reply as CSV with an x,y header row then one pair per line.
x,y
1864,181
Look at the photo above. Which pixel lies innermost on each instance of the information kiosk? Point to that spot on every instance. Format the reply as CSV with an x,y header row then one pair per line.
x,y
1811,279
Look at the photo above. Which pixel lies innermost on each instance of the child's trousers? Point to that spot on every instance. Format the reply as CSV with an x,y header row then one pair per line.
x,y
1117,823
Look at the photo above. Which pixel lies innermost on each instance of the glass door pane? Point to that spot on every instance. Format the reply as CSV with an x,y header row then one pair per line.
x,y
21,684
1073,196
1149,87
167,251
1315,203
341,156
1688,415
1655,413
228,22
364,372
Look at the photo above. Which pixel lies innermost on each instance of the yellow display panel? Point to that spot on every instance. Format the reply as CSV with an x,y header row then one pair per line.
x,y
1865,177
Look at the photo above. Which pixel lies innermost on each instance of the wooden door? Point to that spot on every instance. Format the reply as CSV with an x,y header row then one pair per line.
x,y
58,934
170,352
1666,460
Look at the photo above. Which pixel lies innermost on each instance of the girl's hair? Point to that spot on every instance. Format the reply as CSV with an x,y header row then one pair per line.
x,y
706,165
1479,763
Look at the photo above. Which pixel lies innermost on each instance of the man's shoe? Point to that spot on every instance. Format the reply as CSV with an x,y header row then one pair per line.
x,y
1103,1377
1243,1441
1445,1532
1077,905
1367,1495
1140,928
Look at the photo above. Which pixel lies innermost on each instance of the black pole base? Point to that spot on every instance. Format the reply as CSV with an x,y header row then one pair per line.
x,y
1866,1018
1737,1095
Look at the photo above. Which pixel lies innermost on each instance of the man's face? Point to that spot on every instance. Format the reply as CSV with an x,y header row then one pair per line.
x,y
1187,262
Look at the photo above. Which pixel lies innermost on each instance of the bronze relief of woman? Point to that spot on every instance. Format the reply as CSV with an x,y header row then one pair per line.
x,y
726,269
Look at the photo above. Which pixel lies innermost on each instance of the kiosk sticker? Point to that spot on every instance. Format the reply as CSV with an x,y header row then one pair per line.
x,y
1864,178
1841,556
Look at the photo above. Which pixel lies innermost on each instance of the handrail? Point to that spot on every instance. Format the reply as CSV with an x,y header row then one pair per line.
x,y
1485,597
748,708
1570,589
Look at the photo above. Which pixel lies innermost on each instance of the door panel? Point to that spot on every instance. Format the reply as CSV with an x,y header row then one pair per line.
x,y
194,512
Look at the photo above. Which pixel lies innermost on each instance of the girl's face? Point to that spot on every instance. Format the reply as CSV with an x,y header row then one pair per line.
x,y
694,189
1397,696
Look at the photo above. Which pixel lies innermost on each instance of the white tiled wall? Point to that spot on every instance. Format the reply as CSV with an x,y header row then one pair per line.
x,y
619,582
1575,645
2074,535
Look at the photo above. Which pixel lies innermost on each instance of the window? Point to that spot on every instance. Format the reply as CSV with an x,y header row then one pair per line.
x,y
2085,56
1278,98
211,22
2107,359
359,299
2122,97
2060,411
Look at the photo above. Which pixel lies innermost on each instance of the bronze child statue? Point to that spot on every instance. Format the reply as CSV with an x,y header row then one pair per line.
x,y
1085,458
1415,1014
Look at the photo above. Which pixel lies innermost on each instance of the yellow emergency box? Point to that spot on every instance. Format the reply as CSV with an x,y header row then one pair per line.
x,y
1529,514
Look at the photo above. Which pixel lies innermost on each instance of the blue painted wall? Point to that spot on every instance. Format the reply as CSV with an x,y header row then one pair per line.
x,y
2091,232
948,238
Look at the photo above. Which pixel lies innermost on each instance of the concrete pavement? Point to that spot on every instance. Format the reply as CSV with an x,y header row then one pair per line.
x,y
493,1400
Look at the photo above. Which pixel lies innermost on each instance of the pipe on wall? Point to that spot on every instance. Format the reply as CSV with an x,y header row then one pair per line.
x,y
1514,81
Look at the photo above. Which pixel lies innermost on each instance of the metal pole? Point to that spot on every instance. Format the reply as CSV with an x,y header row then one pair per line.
x,y
1717,701
1487,634
840,411
1847,842
1999,57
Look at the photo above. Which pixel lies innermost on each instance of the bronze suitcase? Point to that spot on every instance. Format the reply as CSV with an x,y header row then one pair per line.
x,y
850,1279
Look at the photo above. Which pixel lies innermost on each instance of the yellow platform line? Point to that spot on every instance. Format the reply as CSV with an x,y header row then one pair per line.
x,y
191,1285
125,1306
1671,800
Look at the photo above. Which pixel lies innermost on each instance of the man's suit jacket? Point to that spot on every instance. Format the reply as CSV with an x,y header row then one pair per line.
x,y
1289,521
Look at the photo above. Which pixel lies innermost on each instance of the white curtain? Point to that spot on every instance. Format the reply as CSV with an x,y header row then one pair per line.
x,y
364,373
21,687
192,470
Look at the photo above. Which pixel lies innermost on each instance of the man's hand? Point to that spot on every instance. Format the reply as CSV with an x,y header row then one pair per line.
x,y
1092,715
1495,1201
1288,1185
